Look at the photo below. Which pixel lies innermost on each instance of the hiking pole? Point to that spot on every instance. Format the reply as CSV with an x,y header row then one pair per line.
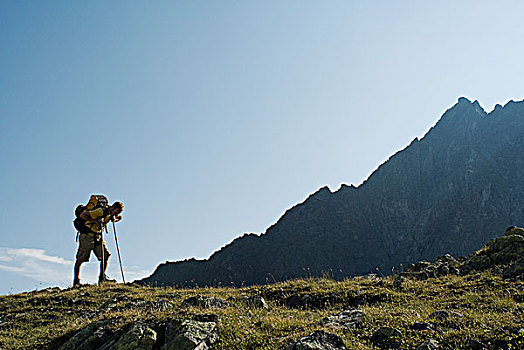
x,y
102,263
118,251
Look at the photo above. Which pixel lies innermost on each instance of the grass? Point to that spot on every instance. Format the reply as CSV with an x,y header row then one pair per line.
x,y
488,310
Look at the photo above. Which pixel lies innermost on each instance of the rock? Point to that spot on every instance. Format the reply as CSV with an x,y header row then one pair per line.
x,y
298,301
442,266
443,270
514,230
206,302
430,344
161,305
91,337
446,259
505,255
476,345
423,326
418,266
189,335
138,337
206,318
347,319
110,305
386,336
319,340
477,263
255,301
501,243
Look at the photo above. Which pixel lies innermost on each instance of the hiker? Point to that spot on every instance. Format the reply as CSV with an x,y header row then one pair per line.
x,y
94,219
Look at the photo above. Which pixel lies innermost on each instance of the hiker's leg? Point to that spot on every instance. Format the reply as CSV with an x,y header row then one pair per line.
x,y
107,254
103,264
76,278
82,255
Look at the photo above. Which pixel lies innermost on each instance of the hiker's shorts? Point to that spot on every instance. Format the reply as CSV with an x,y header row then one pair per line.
x,y
87,245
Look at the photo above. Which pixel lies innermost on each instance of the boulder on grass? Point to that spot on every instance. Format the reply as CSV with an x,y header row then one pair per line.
x,y
190,335
319,340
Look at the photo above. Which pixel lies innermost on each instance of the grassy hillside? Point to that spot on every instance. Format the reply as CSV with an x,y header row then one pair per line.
x,y
475,311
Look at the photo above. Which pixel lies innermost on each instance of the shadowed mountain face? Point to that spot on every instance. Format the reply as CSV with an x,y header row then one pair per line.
x,y
449,192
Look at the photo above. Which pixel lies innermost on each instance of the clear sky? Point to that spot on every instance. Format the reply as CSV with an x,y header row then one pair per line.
x,y
209,119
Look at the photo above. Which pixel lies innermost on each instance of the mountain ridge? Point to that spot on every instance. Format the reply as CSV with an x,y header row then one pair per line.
x,y
412,207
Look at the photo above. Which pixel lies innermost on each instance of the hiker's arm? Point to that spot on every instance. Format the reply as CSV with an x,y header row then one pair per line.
x,y
93,201
90,215
85,216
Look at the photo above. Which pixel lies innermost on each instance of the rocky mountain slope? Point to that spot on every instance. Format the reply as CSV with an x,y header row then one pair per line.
x,y
445,193
475,302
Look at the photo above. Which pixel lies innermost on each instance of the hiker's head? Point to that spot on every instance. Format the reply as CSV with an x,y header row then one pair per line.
x,y
116,208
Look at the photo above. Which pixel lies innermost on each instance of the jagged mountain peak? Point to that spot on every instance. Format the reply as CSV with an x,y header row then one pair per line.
x,y
464,101
322,192
458,123
465,108
448,192
496,108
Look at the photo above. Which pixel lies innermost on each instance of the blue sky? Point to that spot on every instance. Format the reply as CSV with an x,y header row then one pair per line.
x,y
209,119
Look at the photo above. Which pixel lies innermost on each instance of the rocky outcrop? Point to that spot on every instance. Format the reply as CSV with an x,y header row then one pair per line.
x,y
100,336
346,320
430,344
254,301
206,302
447,193
386,337
178,335
319,340
139,337
442,266
503,254
92,337
190,335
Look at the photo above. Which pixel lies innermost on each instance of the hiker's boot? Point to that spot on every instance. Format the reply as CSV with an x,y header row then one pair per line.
x,y
103,278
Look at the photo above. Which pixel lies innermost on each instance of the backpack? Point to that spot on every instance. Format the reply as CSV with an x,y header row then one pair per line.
x,y
78,223
96,201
